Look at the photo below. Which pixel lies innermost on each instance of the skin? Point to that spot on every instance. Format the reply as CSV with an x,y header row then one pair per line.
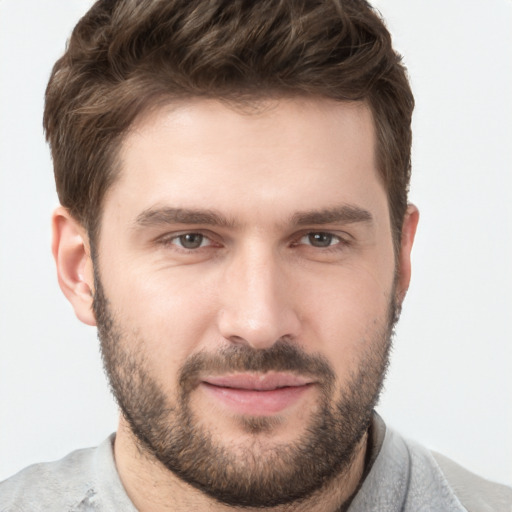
x,y
256,278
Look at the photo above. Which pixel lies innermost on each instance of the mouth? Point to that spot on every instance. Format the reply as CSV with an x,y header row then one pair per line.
x,y
257,394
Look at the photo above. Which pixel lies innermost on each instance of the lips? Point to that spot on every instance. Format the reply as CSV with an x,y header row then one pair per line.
x,y
261,382
257,394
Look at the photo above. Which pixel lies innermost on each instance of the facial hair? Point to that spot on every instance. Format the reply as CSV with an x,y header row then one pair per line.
x,y
261,473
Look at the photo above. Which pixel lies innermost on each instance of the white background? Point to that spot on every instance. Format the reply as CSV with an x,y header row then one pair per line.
x,y
450,384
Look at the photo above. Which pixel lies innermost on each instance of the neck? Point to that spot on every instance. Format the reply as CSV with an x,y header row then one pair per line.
x,y
152,487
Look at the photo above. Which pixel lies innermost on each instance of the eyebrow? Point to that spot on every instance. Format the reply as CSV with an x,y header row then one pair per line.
x,y
167,215
155,216
346,214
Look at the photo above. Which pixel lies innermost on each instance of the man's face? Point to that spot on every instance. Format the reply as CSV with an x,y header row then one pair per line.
x,y
245,291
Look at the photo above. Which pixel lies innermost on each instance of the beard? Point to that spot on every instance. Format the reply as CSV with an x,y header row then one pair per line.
x,y
258,473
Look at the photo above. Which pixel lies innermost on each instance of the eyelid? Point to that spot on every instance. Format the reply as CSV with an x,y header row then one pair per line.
x,y
169,238
334,241
343,237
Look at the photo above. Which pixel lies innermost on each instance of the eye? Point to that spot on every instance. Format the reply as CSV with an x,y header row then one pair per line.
x,y
320,239
190,241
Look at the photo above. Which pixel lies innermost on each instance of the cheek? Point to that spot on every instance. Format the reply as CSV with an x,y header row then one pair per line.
x,y
171,316
347,314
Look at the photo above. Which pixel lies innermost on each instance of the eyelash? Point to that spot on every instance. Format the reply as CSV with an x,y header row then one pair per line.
x,y
341,242
170,240
331,236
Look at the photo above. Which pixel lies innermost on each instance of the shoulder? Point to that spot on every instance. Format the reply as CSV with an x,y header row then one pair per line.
x,y
430,470
75,483
406,476
55,484
476,493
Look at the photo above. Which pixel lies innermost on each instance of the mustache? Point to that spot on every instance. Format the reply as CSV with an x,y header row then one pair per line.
x,y
283,356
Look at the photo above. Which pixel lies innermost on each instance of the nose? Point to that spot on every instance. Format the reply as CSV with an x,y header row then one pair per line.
x,y
258,303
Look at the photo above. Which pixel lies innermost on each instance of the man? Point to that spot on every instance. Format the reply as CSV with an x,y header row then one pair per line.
x,y
233,179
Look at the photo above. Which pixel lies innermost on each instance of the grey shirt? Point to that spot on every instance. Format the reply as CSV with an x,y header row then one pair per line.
x,y
402,476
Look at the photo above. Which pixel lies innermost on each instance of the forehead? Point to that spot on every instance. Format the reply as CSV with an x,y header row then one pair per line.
x,y
284,120
295,153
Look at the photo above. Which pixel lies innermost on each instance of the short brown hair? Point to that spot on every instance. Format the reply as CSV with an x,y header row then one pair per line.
x,y
126,56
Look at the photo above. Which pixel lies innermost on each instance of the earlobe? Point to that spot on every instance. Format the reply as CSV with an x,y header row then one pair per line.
x,y
70,247
410,224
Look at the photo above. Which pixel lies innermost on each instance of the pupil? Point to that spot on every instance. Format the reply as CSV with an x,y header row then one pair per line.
x,y
191,240
320,239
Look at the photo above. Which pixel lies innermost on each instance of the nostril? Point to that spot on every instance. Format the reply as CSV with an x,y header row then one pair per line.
x,y
238,340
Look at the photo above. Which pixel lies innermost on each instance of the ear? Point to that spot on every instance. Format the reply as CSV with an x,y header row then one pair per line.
x,y
409,226
71,250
